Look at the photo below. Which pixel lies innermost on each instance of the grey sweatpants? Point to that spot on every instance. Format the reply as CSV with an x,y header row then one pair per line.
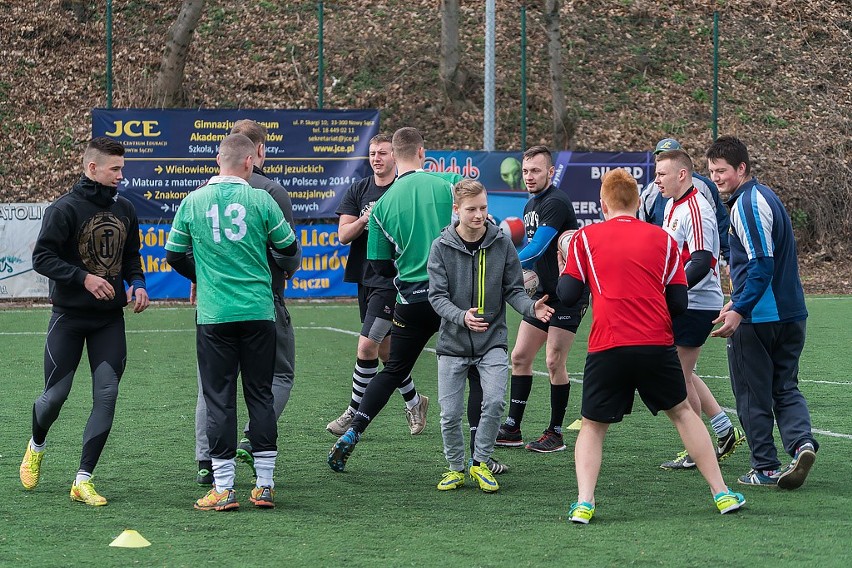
x,y
452,376
282,380
763,360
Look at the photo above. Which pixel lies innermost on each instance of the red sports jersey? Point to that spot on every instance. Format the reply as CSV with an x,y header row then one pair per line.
x,y
627,264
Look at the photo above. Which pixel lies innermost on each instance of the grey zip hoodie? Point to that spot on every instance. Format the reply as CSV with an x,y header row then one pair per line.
x,y
486,278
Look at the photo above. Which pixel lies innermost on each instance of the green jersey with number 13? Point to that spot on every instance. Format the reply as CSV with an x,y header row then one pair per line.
x,y
228,224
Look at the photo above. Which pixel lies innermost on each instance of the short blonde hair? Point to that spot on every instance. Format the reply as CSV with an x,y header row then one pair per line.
x,y
381,138
680,158
466,188
619,190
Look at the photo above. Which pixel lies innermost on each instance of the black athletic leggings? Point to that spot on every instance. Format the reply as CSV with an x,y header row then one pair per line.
x,y
413,326
104,338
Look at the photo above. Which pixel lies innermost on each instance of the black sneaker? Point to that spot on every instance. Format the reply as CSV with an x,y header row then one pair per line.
x,y
550,441
509,437
205,473
497,467
726,445
682,461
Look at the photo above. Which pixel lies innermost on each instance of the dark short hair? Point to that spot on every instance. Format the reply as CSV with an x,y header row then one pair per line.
x,y
99,147
106,145
539,150
255,131
732,150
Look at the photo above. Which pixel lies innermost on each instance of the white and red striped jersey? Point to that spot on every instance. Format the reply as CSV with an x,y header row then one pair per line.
x,y
692,223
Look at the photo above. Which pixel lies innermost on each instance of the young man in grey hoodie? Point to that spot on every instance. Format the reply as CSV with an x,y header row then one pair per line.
x,y
473,271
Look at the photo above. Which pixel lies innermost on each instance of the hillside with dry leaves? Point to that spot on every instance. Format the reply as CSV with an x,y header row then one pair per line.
x,y
635,71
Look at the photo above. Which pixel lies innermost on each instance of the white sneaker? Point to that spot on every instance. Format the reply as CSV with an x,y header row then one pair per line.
x,y
339,425
416,416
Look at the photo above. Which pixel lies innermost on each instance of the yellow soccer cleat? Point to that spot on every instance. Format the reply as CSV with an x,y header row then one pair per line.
x,y
84,492
728,501
31,468
483,476
451,480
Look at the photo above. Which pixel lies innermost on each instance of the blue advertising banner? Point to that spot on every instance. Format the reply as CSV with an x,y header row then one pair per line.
x,y
579,175
315,154
324,258
497,171
161,282
323,262
321,274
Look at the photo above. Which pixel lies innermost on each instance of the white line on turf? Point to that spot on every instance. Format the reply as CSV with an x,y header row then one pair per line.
x,y
431,350
356,334
579,381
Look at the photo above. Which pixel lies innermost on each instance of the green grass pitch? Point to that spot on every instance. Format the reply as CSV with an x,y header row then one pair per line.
x,y
385,510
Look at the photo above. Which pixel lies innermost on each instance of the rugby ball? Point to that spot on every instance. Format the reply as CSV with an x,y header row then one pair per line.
x,y
530,282
514,229
564,242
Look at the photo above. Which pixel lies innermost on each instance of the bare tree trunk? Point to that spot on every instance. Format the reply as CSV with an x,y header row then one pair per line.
x,y
450,70
564,126
168,90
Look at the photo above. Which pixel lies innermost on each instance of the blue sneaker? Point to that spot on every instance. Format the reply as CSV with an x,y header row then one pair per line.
x,y
342,448
794,475
757,477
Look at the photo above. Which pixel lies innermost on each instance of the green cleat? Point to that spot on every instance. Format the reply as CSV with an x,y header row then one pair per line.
x,y
245,455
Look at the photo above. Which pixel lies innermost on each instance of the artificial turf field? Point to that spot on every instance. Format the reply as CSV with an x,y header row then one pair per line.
x,y
384,510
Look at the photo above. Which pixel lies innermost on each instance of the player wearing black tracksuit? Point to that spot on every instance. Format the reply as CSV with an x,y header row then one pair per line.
x,y
88,231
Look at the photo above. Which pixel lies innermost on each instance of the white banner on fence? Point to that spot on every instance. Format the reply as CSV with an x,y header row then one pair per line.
x,y
19,227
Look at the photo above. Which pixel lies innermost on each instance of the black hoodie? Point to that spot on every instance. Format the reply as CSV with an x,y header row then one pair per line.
x,y
89,230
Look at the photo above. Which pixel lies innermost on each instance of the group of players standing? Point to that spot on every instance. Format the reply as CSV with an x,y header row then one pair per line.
x,y
394,221
767,302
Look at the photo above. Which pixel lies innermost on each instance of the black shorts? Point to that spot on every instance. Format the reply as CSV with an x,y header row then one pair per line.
x,y
692,327
612,376
567,318
376,307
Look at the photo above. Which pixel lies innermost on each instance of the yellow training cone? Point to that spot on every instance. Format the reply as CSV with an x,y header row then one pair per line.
x,y
130,539
576,424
